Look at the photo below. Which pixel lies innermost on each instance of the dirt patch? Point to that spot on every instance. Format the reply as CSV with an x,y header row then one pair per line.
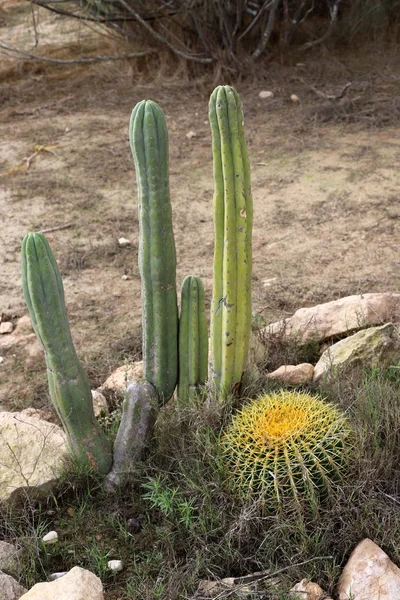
x,y
325,200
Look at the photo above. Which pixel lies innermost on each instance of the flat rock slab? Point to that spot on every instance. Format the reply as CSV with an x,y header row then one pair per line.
x,y
373,347
77,584
337,318
293,374
32,454
9,588
369,575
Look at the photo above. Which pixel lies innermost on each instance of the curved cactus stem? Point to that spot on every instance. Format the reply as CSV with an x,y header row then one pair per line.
x,y
69,387
157,259
193,338
233,220
139,414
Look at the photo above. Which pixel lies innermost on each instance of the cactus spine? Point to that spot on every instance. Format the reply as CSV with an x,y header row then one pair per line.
x,y
157,259
193,338
233,220
69,387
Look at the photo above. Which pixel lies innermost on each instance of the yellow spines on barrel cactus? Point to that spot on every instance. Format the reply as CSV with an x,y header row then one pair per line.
x,y
157,259
286,445
233,221
193,338
69,387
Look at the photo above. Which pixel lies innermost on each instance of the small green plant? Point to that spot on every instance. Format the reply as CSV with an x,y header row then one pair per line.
x,y
286,445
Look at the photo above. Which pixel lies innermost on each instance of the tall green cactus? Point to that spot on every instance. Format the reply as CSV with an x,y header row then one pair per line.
x,y
193,338
233,221
69,387
157,259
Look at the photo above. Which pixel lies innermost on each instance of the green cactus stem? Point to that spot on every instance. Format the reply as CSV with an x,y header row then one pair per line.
x,y
69,387
157,258
233,222
193,339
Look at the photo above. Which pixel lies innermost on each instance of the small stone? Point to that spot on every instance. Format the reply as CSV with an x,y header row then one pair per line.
x,y
307,590
295,99
115,565
55,576
1,359
293,374
264,94
121,377
269,282
70,511
77,584
191,134
301,65
133,525
50,538
123,242
125,277
100,406
6,327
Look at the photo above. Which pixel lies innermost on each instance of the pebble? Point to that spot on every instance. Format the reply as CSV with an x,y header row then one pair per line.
x,y
123,242
125,277
50,538
6,327
295,98
191,134
115,565
264,94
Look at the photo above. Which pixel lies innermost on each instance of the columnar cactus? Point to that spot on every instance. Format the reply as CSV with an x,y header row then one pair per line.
x,y
288,445
69,387
157,259
193,338
233,220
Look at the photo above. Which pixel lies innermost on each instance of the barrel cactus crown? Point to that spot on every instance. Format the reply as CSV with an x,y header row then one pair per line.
x,y
288,445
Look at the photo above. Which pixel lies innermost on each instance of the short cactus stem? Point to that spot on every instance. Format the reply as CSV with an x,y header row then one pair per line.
x,y
193,339
69,387
233,221
286,446
157,258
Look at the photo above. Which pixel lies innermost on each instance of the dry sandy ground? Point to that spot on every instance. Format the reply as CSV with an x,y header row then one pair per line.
x,y
326,197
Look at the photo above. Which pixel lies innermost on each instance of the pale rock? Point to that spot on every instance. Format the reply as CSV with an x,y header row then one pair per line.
x,y
191,134
373,347
45,415
24,326
100,406
264,94
77,584
115,565
125,277
121,377
338,317
269,282
1,359
6,327
9,558
32,455
55,576
293,374
9,588
50,538
123,242
369,575
295,99
307,590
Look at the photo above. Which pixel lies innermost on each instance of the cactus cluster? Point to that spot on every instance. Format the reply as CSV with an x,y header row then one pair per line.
x,y
288,445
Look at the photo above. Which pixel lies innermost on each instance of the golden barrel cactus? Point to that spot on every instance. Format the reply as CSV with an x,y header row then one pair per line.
x,y
286,445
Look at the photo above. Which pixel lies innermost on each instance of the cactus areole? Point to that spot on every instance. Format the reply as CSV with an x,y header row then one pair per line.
x,y
157,259
69,387
233,221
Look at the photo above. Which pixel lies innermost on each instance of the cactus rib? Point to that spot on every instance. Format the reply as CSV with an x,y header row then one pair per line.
x,y
68,385
157,258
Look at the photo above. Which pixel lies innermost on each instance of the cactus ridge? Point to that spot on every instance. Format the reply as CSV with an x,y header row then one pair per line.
x,y
68,385
157,257
193,338
233,220
288,444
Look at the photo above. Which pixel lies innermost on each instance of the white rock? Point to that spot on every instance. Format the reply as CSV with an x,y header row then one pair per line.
x,y
100,406
50,538
191,134
77,584
6,327
264,94
9,558
123,242
9,588
293,374
307,590
32,454
115,565
125,277
295,98
337,317
369,575
1,359
120,378
55,576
